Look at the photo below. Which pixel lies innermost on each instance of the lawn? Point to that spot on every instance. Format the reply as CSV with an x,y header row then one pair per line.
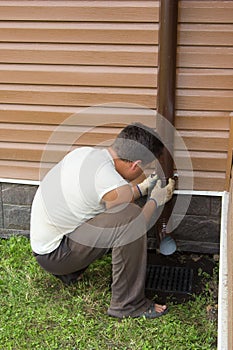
x,y
38,312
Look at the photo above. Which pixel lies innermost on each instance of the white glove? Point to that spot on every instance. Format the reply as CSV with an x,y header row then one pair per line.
x,y
147,185
162,195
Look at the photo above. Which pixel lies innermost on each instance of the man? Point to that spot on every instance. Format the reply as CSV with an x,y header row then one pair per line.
x,y
84,207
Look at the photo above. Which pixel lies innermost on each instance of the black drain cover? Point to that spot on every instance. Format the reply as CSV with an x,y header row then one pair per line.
x,y
169,279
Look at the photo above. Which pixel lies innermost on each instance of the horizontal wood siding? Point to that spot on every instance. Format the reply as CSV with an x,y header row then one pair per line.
x,y
58,58
81,11
84,75
84,54
204,97
116,33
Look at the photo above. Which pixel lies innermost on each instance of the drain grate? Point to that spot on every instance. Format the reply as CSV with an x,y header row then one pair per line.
x,y
169,279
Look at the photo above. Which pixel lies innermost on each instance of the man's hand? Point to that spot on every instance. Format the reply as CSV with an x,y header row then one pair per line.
x,y
162,195
147,185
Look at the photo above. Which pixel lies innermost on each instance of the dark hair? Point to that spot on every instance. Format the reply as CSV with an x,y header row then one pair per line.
x,y
138,142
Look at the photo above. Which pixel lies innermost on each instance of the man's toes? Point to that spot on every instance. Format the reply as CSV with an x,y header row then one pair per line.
x,y
160,308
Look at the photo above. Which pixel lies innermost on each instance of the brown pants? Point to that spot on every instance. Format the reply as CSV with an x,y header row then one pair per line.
x,y
123,230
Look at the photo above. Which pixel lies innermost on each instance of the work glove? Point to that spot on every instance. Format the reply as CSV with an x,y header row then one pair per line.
x,y
162,195
147,185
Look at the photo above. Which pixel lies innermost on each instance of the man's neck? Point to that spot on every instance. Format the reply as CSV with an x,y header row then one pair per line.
x,y
120,165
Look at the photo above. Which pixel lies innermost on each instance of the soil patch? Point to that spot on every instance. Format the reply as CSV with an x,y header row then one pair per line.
x,y
202,267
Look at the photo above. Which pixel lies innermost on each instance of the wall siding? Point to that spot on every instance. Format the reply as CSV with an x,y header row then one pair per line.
x,y
204,95
57,58
60,57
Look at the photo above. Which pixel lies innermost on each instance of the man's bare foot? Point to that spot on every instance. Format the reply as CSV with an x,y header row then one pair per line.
x,y
160,308
155,310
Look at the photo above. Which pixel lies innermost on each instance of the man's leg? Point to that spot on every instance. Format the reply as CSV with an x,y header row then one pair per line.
x,y
69,261
129,272
124,231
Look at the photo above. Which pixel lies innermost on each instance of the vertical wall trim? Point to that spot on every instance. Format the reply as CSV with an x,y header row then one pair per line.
x,y
229,154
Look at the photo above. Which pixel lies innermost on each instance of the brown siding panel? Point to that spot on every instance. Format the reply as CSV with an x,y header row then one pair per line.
x,y
205,100
206,34
205,88
202,120
204,140
22,170
60,57
78,75
203,57
205,78
65,134
80,54
68,115
206,11
57,58
110,33
73,96
202,161
98,11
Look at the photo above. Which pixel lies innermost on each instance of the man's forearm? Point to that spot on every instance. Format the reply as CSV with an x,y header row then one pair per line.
x,y
136,192
149,209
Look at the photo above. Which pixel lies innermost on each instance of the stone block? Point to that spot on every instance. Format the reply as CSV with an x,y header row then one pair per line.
x,y
198,228
192,246
16,217
181,204
18,194
1,216
216,206
6,233
195,205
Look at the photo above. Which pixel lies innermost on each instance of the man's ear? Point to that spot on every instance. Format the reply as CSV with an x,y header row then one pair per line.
x,y
135,164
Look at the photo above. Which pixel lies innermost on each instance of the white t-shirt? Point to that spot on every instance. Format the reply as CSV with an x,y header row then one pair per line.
x,y
70,194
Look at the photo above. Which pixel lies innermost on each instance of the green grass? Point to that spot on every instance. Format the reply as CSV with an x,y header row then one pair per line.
x,y
38,312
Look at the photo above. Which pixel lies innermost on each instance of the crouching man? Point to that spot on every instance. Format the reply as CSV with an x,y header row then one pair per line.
x,y
84,207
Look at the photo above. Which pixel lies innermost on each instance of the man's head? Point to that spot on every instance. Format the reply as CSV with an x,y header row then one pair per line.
x,y
138,142
137,145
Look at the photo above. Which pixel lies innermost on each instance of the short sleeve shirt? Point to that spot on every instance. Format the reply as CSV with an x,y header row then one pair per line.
x,y
71,194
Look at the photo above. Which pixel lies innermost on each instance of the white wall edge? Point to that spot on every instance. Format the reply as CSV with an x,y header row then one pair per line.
x,y
20,182
183,192
200,193
223,277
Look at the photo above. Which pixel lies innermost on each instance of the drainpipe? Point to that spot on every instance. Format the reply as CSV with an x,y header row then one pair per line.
x,y
166,97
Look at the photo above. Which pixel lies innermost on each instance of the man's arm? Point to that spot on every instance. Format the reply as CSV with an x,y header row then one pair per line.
x,y
124,194
143,185
120,195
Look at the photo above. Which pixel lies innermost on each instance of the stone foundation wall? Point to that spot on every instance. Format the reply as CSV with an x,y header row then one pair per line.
x,y
15,208
199,230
